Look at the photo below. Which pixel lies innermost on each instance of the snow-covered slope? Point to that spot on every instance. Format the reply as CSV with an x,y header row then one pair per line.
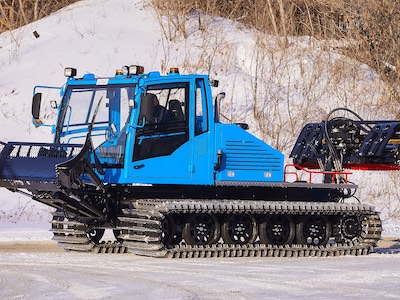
x,y
93,36
96,36
275,89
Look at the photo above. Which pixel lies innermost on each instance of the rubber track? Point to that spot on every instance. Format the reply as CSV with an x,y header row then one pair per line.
x,y
72,235
142,223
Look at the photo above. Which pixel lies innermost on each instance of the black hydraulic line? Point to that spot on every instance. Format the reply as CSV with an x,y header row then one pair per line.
x,y
336,160
219,160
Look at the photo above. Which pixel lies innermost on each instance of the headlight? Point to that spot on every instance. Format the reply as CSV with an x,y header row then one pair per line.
x,y
70,72
125,70
136,70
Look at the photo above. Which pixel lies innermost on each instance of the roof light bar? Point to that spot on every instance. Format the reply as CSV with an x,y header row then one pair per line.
x,y
131,70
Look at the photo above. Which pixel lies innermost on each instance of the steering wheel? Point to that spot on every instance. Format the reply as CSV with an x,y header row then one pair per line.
x,y
111,133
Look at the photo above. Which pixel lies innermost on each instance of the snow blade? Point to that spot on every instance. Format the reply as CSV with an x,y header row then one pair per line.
x,y
70,173
31,166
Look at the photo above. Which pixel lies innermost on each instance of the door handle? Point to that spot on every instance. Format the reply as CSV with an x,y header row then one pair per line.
x,y
138,166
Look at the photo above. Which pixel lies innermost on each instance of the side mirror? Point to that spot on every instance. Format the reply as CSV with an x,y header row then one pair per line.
x,y
53,104
37,99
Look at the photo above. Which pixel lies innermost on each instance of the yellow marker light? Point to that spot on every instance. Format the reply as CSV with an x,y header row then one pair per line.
x,y
174,71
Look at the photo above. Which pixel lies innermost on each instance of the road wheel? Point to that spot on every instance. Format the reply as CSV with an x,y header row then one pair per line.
x,y
313,230
240,229
170,235
117,233
277,230
95,235
201,229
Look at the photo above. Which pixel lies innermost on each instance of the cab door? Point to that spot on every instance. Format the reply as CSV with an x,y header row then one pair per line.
x,y
162,150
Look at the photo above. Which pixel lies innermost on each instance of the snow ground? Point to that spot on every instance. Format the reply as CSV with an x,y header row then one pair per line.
x,y
45,271
66,275
33,267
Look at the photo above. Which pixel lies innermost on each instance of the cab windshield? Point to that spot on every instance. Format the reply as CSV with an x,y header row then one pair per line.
x,y
78,112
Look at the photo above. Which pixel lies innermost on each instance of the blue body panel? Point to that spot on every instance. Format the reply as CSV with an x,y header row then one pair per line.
x,y
246,158
191,163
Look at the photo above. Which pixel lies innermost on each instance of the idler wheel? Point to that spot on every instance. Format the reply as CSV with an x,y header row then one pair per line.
x,y
351,228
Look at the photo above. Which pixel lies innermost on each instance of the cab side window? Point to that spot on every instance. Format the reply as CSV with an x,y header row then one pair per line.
x,y
165,111
201,119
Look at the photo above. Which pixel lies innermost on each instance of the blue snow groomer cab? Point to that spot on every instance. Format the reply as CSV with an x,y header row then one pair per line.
x,y
154,129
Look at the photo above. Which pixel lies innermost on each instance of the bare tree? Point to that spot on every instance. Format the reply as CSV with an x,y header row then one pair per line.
x,y
16,13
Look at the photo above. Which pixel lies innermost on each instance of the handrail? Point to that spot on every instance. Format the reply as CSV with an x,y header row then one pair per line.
x,y
311,173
